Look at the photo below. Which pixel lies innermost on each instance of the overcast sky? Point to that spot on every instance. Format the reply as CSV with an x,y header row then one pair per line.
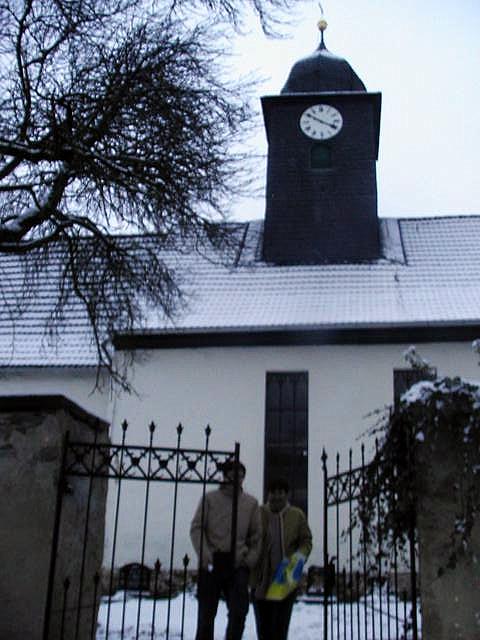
x,y
424,57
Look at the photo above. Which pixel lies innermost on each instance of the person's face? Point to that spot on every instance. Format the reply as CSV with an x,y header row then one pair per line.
x,y
230,477
277,499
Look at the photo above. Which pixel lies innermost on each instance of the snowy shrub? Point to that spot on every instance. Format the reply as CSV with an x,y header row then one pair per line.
x,y
446,408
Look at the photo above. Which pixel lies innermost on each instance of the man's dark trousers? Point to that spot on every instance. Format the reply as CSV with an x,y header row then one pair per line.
x,y
234,587
272,618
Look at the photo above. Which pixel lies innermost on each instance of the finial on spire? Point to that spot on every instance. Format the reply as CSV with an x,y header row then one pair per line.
x,y
322,25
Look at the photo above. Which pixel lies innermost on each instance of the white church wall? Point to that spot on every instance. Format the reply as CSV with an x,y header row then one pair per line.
x,y
75,383
225,388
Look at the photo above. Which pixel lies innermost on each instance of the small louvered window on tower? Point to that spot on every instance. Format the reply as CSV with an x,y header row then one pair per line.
x,y
320,157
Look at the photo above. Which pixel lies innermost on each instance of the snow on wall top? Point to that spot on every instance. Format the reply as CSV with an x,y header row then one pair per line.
x,y
429,274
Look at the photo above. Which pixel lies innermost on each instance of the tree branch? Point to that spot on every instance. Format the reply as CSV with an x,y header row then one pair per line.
x,y
116,113
15,230
10,167
22,71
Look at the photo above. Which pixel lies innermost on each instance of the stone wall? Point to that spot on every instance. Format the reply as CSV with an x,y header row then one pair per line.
x,y
450,594
32,432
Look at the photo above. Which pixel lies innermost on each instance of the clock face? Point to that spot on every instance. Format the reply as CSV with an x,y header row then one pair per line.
x,y
321,121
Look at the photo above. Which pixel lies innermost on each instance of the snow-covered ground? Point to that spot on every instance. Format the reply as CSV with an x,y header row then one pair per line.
x,y
306,623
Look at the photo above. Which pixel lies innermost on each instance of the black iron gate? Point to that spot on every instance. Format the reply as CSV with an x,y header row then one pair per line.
x,y
79,582
370,586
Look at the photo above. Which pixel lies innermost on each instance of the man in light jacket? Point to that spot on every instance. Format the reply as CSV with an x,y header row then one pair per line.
x,y
213,547
287,542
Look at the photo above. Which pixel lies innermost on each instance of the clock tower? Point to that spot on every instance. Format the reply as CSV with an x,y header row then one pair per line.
x,y
323,134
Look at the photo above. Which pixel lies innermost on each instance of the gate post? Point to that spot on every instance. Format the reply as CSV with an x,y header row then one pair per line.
x,y
411,462
56,531
325,543
233,542
413,577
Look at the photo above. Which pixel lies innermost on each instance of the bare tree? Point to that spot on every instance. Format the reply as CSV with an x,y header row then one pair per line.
x,y
117,116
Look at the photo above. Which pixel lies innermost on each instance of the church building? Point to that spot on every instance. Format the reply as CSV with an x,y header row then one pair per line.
x,y
289,349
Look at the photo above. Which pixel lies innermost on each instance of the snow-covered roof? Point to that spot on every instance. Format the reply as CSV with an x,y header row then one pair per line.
x,y
429,275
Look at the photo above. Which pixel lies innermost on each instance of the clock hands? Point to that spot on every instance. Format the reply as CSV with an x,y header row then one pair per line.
x,y
309,115
320,121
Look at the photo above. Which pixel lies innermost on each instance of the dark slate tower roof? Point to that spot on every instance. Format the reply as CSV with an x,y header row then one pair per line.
x,y
322,71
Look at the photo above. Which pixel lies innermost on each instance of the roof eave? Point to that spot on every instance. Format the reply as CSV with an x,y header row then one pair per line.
x,y
305,335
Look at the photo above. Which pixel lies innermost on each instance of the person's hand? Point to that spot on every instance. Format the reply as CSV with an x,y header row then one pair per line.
x,y
207,560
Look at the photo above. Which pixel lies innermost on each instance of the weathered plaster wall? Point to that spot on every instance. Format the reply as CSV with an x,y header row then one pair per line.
x,y
450,596
31,437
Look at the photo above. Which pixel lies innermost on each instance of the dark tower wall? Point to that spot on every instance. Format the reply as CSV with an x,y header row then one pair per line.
x,y
326,214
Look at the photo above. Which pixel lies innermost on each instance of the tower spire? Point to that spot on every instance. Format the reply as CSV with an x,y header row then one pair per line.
x,y
322,25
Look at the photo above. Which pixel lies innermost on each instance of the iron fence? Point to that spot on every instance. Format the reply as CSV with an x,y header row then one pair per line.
x,y
80,575
373,591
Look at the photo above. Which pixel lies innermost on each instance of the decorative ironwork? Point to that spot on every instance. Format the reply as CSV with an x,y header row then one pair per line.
x,y
345,486
127,462
73,601
371,594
